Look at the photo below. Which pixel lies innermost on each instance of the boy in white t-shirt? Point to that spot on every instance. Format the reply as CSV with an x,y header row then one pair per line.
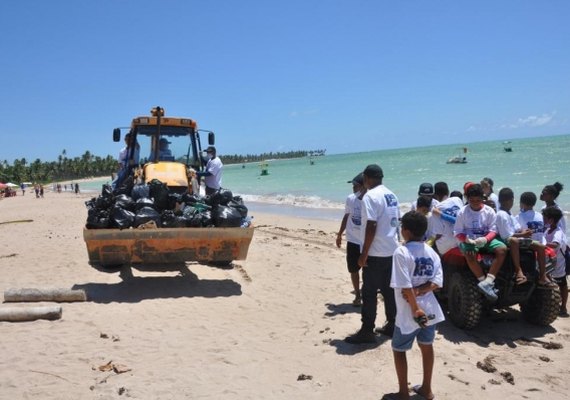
x,y
532,220
351,222
556,239
416,273
475,229
511,233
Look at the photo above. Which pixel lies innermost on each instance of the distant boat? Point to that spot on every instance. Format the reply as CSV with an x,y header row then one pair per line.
x,y
264,165
507,147
459,159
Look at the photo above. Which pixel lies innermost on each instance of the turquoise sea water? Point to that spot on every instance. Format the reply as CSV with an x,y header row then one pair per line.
x,y
319,190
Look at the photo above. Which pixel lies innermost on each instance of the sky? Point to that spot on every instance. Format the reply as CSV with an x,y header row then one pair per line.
x,y
341,75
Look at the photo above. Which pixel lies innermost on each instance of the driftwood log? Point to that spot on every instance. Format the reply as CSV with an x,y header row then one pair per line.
x,y
31,295
20,314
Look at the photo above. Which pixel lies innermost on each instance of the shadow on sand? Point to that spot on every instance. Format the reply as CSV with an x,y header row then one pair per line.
x,y
135,289
503,327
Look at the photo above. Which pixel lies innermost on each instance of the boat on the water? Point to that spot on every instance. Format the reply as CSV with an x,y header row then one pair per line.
x,y
459,159
507,147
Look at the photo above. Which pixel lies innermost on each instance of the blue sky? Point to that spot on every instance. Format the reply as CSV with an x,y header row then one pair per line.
x,y
347,76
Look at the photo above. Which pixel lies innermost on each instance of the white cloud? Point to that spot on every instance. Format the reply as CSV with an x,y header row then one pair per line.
x,y
532,121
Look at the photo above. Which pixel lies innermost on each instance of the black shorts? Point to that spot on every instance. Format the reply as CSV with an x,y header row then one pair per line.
x,y
352,256
562,282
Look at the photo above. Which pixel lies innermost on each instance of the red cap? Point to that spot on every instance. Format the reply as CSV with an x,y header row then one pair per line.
x,y
467,186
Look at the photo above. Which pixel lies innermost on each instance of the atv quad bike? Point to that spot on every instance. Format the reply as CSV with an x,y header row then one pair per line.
x,y
466,304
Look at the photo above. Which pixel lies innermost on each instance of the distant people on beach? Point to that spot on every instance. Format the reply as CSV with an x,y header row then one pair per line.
x,y
76,188
37,190
351,223
41,191
23,187
379,238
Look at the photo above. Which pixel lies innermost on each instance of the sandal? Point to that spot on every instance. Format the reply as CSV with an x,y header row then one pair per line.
x,y
547,285
520,279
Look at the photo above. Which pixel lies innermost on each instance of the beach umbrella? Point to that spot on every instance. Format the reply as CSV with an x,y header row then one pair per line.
x,y
10,184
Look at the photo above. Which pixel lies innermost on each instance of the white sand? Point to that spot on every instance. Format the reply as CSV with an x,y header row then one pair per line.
x,y
242,333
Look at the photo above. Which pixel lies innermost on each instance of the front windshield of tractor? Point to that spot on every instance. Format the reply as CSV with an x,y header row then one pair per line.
x,y
174,144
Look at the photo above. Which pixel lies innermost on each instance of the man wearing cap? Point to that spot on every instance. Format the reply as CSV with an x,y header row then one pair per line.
x,y
351,223
164,152
213,172
426,190
379,238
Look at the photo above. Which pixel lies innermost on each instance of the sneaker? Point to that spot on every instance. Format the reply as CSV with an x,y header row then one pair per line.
x,y
361,337
386,330
564,314
488,289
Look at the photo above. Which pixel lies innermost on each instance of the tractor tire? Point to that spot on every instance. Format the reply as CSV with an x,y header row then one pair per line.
x,y
542,307
465,302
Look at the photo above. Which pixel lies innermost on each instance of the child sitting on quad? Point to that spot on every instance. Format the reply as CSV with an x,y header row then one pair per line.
x,y
515,238
531,220
556,239
475,229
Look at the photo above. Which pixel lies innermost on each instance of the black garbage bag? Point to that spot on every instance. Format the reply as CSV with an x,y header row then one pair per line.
x,y
125,202
159,193
221,196
226,217
237,204
107,191
188,198
140,191
144,202
145,215
121,218
97,219
126,187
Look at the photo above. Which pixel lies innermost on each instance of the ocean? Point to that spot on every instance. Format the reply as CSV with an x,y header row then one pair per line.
x,y
319,189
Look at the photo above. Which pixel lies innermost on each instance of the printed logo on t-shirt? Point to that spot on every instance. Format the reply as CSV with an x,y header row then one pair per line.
x,y
424,266
391,200
451,211
535,226
355,217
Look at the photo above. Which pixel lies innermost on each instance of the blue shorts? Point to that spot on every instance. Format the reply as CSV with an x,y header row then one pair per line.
x,y
402,343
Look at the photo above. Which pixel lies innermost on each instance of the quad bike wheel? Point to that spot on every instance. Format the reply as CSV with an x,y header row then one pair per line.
x,y
465,302
542,307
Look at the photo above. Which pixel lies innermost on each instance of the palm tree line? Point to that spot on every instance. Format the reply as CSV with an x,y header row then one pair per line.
x,y
89,165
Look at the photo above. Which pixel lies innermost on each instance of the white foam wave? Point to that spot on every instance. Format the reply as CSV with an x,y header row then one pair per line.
x,y
293,200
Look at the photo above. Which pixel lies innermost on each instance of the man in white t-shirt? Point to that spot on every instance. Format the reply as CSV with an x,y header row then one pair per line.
x,y
351,224
379,239
213,171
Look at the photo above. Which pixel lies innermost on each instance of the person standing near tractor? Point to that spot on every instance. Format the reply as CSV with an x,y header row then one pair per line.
x,y
213,171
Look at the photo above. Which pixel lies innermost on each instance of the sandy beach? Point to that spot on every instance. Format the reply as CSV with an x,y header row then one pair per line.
x,y
270,327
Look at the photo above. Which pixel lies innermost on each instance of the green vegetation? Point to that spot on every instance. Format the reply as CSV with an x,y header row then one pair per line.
x,y
64,168
239,159
89,165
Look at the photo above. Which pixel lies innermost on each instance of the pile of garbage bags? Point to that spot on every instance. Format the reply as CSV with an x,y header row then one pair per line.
x,y
155,205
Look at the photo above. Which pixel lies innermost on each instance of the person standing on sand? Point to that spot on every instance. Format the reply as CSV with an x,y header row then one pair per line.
x,y
351,223
23,187
379,238
77,188
416,273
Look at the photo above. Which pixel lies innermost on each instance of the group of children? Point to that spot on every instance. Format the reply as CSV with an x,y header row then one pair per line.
x,y
441,224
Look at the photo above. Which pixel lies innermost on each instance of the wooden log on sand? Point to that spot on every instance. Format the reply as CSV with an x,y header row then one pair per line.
x,y
21,314
31,295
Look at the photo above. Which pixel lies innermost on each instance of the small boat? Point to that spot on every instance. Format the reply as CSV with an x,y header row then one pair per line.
x,y
507,147
459,159
264,165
